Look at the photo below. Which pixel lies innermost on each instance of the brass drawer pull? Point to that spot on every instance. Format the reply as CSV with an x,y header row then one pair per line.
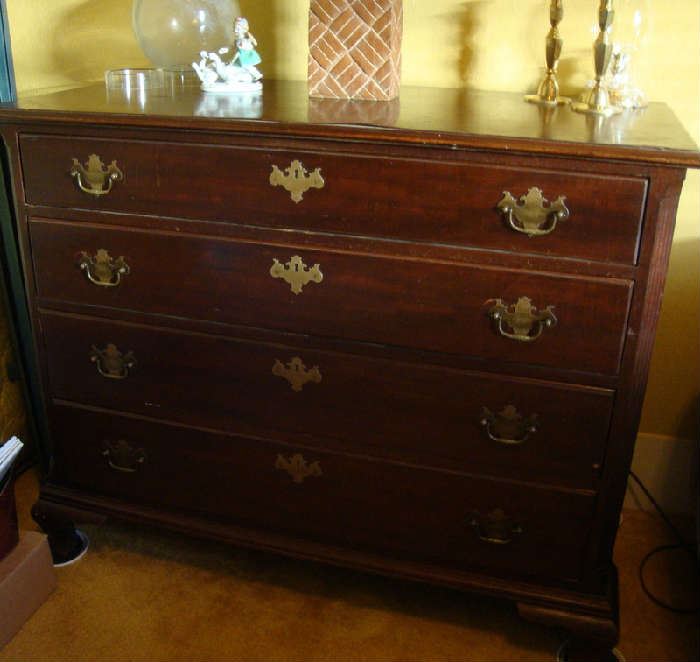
x,y
525,322
102,269
495,528
296,374
296,273
111,363
93,178
508,426
533,214
296,179
122,456
298,468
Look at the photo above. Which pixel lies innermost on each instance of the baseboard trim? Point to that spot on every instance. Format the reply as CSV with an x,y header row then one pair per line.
x,y
668,466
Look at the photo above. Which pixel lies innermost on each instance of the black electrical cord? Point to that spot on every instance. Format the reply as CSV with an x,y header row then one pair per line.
x,y
681,544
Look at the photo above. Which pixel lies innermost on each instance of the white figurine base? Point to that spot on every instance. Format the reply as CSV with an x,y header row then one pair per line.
x,y
239,87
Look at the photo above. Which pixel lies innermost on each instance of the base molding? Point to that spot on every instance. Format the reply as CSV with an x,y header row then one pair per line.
x,y
603,631
588,616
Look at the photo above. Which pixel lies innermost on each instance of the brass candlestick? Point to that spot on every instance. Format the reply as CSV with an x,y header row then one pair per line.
x,y
548,91
597,101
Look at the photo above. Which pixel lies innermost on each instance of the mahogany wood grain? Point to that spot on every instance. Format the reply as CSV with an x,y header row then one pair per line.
x,y
451,202
435,116
342,345
392,509
663,200
343,243
435,413
427,305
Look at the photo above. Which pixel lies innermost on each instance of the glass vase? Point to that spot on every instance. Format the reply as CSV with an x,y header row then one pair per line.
x,y
172,33
630,50
630,37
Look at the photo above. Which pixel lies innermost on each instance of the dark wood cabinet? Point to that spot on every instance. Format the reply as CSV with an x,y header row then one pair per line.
x,y
418,348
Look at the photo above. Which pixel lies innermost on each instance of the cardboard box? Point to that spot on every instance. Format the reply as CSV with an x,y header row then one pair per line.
x,y
27,578
9,535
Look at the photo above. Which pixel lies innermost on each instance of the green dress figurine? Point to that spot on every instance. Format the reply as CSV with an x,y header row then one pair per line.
x,y
240,74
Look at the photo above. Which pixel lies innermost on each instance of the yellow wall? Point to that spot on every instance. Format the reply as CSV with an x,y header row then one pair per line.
x,y
491,44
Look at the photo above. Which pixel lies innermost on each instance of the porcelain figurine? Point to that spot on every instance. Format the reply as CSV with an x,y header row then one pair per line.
x,y
247,57
240,73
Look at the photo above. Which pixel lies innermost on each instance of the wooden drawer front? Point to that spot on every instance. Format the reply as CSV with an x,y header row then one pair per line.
x,y
409,199
425,305
374,506
424,414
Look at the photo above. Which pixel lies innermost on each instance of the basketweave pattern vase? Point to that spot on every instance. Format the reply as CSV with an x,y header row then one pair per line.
x,y
355,49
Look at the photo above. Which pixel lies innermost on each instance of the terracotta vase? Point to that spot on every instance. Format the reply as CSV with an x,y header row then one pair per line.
x,y
355,49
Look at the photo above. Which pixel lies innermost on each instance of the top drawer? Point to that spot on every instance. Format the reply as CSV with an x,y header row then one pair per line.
x,y
424,200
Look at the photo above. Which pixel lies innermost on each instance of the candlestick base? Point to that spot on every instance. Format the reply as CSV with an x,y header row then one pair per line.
x,y
584,108
544,101
587,108
596,102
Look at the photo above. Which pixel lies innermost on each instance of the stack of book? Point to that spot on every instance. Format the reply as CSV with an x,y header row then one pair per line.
x,y
8,454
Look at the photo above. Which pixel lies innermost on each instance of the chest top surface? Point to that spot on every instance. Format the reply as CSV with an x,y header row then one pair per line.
x,y
448,117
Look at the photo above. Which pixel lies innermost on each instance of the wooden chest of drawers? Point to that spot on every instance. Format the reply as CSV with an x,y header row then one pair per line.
x,y
418,349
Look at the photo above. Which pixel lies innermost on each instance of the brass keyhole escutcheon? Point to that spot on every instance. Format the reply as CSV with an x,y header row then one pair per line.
x,y
103,270
296,273
296,179
94,177
298,468
296,373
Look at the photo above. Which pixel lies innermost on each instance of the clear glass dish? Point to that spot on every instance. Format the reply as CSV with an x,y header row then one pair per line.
x,y
134,81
